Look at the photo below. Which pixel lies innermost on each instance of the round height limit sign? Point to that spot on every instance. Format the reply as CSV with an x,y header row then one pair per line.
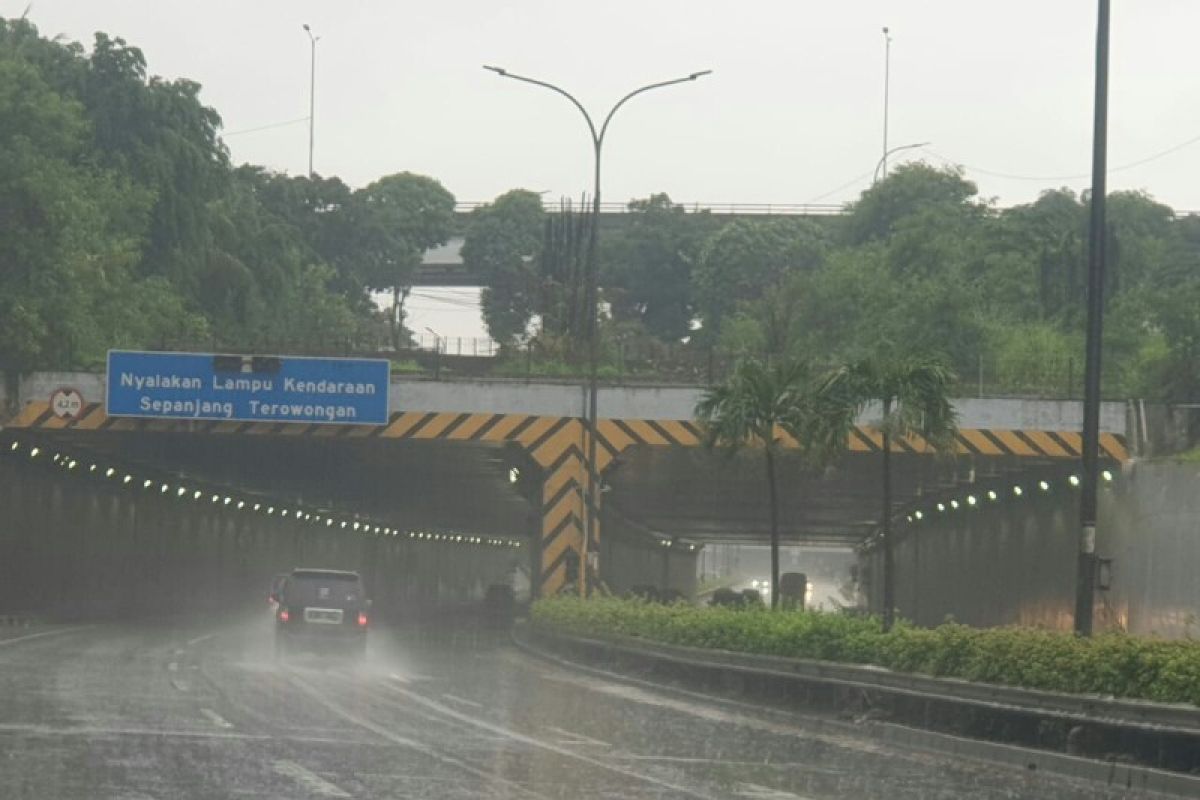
x,y
66,403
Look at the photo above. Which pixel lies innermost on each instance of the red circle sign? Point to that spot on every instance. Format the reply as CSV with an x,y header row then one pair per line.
x,y
66,403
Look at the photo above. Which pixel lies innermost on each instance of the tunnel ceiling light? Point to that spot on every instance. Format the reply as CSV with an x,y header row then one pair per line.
x,y
270,510
328,522
343,523
283,512
55,458
241,504
356,526
33,452
1018,491
181,492
165,488
908,518
216,498
72,464
1107,476
991,495
941,506
127,478
257,506
919,515
15,446
1073,480
954,504
108,473
514,475
146,484
196,494
1045,487
971,500
228,499
91,468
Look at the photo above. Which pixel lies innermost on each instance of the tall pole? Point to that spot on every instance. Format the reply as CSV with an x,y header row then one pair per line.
x,y
591,294
1097,238
887,79
312,95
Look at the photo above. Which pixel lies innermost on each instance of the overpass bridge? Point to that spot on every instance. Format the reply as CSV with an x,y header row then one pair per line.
x,y
499,467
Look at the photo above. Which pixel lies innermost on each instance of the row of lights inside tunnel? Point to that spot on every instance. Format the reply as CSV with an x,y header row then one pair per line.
x,y
260,506
514,475
991,495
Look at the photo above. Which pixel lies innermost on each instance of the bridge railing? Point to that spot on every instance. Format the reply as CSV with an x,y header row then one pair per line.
x,y
445,358
720,209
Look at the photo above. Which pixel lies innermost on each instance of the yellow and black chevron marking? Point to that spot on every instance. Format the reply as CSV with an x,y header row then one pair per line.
x,y
559,446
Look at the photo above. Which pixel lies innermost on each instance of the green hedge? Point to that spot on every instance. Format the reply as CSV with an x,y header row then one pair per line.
x,y
1108,664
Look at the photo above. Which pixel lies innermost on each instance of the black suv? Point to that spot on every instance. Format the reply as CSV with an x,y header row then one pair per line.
x,y
321,609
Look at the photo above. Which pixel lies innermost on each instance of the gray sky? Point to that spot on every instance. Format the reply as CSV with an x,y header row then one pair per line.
x,y
792,112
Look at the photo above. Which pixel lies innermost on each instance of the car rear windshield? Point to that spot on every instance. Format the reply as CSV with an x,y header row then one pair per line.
x,y
312,588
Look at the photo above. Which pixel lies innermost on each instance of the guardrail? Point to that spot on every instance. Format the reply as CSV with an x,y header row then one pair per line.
x,y
1156,745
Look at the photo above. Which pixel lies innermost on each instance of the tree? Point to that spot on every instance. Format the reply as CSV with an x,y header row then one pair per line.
x,y
909,189
501,246
748,259
913,396
647,266
395,220
758,401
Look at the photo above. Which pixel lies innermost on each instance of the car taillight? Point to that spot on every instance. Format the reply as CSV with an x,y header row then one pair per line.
x,y
362,619
284,616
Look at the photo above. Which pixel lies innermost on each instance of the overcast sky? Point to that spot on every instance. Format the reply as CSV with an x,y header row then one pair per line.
x,y
792,112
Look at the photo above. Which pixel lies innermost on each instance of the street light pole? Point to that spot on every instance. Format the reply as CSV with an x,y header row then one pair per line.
x,y
312,94
887,153
591,289
1085,585
887,79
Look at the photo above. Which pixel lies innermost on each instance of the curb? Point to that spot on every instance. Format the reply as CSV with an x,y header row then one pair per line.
x,y
582,653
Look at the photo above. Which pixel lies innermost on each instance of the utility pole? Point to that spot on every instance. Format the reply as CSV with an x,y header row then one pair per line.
x,y
312,95
1085,586
887,77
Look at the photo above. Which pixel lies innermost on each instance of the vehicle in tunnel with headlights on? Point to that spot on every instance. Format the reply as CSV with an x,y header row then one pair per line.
x,y
322,610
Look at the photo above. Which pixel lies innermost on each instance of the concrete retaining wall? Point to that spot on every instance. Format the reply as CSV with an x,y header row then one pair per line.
x,y
77,547
622,402
1014,562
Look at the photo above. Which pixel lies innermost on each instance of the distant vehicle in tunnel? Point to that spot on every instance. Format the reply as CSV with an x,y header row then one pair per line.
x,y
322,610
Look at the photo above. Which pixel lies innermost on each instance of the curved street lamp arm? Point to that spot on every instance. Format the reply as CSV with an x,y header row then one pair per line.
x,y
879,165
636,92
587,117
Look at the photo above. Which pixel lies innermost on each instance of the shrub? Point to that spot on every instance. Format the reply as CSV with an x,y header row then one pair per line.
x,y
1108,664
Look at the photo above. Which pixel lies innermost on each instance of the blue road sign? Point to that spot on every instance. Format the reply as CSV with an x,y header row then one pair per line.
x,y
248,388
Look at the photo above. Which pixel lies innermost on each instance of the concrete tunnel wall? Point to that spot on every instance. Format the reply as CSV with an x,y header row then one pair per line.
x,y
74,547
1015,562
630,557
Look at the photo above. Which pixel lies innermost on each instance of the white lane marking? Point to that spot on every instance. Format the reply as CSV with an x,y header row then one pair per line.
x,y
309,780
29,636
532,741
488,776
453,698
179,685
199,639
575,738
216,718
397,677
173,666
95,732
765,792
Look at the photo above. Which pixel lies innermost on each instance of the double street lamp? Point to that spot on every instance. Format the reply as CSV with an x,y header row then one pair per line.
x,y
591,288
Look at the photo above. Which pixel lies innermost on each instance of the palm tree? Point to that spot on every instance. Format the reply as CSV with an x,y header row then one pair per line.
x,y
758,401
914,397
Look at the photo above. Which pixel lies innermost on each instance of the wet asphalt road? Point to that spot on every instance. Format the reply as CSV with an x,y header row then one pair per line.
x,y
203,711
